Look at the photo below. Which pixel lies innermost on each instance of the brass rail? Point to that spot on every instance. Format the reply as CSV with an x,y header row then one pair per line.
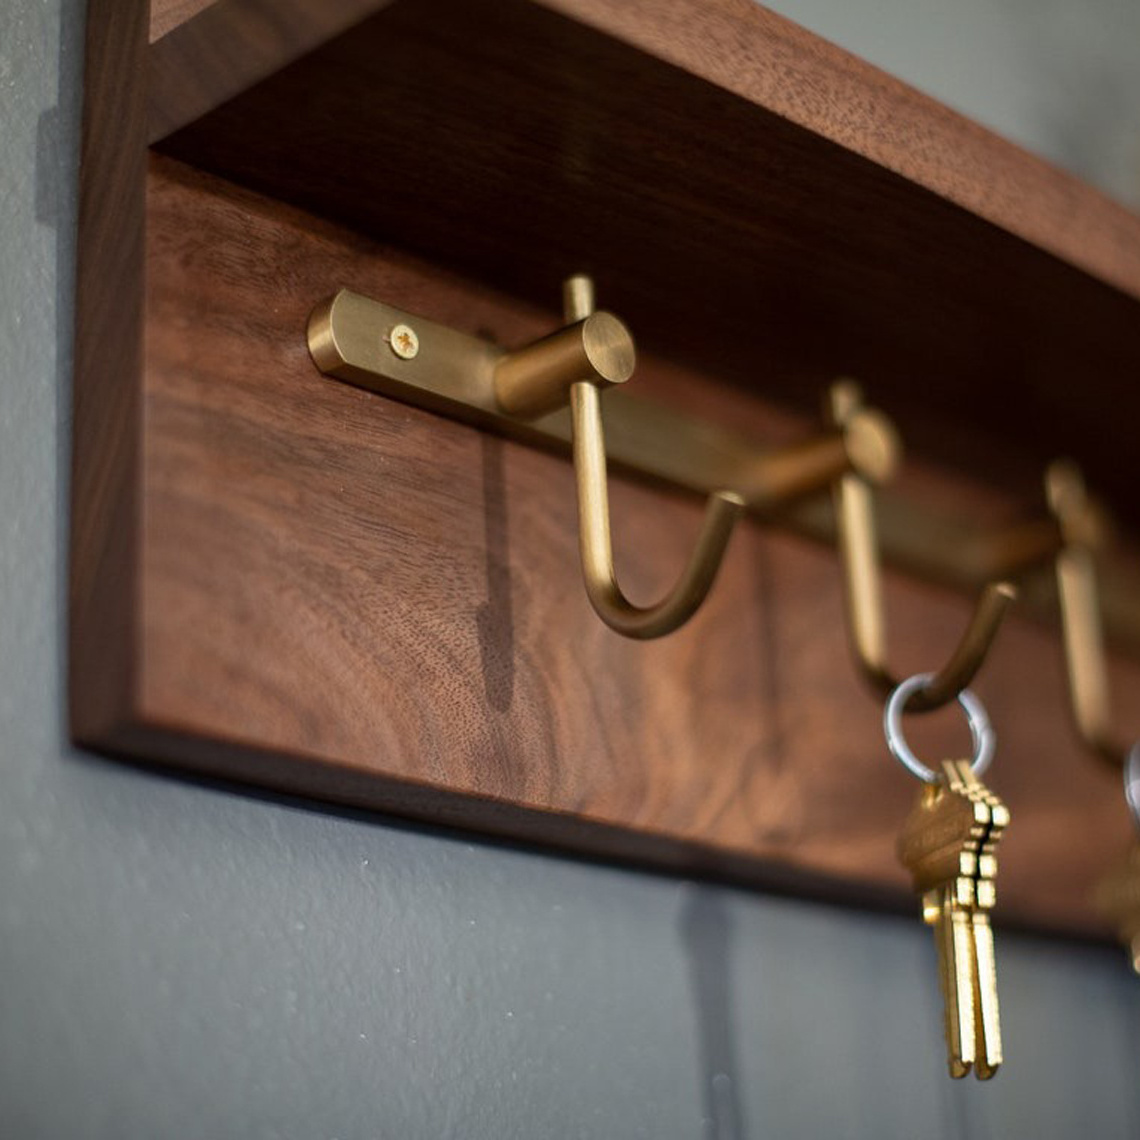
x,y
409,358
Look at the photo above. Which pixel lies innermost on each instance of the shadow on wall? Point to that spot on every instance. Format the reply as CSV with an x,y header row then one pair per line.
x,y
56,207
705,931
495,617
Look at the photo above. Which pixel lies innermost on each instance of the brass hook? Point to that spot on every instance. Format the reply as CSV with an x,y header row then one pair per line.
x,y
866,444
863,593
1082,529
594,350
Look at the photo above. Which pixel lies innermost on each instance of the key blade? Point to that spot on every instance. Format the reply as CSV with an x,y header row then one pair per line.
x,y
985,894
999,814
987,1017
986,1012
931,907
955,966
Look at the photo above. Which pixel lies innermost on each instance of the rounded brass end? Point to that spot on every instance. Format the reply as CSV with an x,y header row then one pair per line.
x,y
874,449
1064,487
844,399
1083,521
1006,591
537,379
609,348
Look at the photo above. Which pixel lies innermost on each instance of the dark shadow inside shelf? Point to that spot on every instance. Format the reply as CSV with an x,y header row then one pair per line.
x,y
515,145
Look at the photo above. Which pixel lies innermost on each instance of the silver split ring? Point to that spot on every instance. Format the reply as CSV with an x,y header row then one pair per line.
x,y
1132,782
980,732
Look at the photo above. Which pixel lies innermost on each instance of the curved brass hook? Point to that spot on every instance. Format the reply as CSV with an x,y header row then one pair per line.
x,y
1082,527
596,549
593,351
863,593
594,539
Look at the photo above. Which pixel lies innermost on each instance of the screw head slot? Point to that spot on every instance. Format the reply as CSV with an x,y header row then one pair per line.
x,y
402,340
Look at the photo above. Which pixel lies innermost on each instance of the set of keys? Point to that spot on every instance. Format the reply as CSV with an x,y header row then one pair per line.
x,y
948,845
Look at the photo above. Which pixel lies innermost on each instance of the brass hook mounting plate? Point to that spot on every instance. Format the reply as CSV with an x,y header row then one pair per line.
x,y
418,361
351,337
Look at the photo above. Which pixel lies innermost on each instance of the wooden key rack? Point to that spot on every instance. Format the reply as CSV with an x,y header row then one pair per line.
x,y
291,582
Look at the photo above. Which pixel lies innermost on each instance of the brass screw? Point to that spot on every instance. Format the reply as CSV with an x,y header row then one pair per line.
x,y
402,340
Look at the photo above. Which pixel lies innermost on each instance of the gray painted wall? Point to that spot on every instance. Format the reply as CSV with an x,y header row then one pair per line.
x,y
180,960
1061,77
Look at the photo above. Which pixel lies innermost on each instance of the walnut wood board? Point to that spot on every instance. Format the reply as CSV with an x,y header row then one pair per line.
x,y
207,52
764,206
348,597
282,580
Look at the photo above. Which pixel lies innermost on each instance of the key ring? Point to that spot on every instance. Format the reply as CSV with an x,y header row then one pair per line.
x,y
1132,782
980,732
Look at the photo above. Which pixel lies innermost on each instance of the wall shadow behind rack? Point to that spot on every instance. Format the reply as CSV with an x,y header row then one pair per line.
x,y
282,580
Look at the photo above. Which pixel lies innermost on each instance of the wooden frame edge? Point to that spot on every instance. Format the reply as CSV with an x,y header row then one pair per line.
x,y
104,591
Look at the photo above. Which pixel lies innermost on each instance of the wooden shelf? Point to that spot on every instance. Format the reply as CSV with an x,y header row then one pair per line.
x,y
289,582
728,173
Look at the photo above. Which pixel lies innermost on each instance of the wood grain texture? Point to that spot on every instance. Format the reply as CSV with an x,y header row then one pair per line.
x,y
742,47
166,15
352,598
107,416
725,171
209,52
327,593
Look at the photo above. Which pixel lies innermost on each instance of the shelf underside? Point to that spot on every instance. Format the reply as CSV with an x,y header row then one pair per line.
x,y
737,228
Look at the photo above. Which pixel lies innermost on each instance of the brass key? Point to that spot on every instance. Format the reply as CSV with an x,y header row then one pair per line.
x,y
986,1011
1118,897
954,938
940,845
948,844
